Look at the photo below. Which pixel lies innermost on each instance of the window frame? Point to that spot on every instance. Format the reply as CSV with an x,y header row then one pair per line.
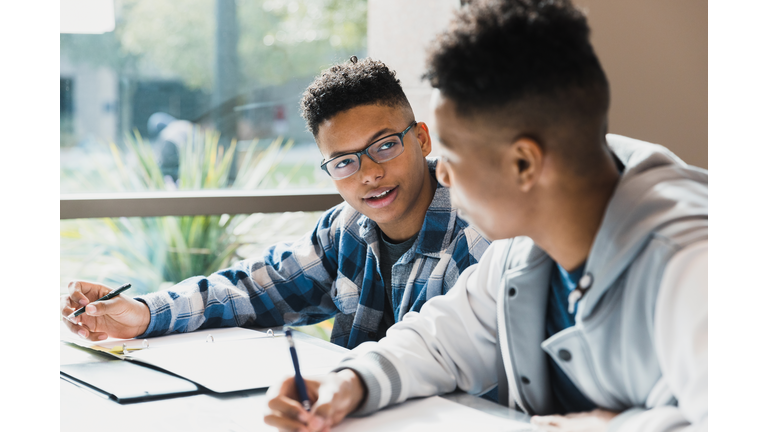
x,y
194,203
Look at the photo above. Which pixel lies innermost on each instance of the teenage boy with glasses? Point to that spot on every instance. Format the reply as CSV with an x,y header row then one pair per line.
x,y
393,244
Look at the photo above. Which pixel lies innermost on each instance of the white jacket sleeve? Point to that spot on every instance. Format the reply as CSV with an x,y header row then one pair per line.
x,y
449,344
680,332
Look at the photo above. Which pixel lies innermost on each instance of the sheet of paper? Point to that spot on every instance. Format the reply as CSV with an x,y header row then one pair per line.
x,y
231,365
430,414
218,334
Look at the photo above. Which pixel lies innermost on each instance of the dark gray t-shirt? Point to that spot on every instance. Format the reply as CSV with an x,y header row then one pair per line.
x,y
389,253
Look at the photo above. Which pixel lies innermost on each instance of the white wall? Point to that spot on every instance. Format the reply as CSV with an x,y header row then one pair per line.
x,y
398,34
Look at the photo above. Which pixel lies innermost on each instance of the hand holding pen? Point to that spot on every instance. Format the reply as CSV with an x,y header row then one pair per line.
x,y
307,405
114,293
105,314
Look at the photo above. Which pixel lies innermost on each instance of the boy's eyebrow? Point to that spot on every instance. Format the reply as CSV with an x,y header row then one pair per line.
x,y
371,139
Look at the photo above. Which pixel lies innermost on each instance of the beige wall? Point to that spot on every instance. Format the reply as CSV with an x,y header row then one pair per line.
x,y
655,55
654,52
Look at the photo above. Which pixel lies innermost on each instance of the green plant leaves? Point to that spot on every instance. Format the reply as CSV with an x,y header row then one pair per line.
x,y
157,251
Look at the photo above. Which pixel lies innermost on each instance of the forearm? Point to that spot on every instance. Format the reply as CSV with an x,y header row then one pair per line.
x,y
196,303
290,284
227,298
247,294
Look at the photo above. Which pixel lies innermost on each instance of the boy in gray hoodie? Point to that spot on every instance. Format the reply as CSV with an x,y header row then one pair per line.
x,y
589,310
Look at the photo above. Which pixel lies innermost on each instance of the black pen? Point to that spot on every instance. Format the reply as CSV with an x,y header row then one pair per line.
x,y
114,293
301,387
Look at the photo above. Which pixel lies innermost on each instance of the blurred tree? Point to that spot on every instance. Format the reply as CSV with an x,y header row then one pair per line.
x,y
278,39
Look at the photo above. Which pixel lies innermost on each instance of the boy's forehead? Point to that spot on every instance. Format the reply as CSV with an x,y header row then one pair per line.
x,y
455,130
451,129
355,128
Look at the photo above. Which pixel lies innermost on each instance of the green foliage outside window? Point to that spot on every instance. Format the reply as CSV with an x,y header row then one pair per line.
x,y
156,252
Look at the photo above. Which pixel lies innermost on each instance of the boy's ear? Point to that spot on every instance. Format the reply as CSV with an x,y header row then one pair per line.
x,y
526,159
425,141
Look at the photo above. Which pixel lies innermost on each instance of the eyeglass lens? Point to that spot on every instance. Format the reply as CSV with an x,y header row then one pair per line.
x,y
386,149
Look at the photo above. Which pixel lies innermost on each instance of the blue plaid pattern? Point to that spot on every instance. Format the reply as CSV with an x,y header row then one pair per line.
x,y
331,271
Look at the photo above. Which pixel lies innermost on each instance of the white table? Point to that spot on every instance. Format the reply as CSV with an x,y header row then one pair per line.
x,y
83,410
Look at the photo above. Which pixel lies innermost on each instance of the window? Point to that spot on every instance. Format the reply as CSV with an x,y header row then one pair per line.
x,y
176,119
219,73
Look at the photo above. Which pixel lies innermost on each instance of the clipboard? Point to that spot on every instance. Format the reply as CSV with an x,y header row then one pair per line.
x,y
126,382
224,360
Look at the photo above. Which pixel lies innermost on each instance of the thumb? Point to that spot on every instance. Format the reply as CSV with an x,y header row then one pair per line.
x,y
326,409
107,307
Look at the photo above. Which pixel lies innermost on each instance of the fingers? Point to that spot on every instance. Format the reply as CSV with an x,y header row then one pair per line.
x,y
328,413
80,294
547,423
67,305
86,291
331,409
113,306
340,393
286,413
287,388
285,424
84,332
73,327
288,408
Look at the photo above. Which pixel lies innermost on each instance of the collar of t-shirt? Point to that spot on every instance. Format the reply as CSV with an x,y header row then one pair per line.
x,y
389,253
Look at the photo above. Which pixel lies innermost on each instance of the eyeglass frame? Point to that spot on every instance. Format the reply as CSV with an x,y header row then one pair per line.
x,y
364,151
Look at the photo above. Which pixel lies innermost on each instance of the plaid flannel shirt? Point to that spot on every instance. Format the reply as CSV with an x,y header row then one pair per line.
x,y
331,271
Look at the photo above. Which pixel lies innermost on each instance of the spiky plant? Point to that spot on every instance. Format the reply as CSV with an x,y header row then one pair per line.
x,y
155,252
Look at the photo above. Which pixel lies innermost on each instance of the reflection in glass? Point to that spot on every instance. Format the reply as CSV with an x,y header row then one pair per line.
x,y
235,69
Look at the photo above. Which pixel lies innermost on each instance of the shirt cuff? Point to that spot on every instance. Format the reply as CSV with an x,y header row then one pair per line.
x,y
380,379
155,327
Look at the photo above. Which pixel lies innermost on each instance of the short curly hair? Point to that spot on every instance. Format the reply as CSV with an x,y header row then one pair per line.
x,y
500,51
348,85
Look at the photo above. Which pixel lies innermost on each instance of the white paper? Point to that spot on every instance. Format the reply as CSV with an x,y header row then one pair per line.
x,y
219,334
430,414
231,365
237,359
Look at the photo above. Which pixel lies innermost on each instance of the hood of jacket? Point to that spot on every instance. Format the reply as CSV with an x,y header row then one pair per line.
x,y
656,189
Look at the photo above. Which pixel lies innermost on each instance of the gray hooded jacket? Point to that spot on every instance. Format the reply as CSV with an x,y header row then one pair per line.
x,y
639,343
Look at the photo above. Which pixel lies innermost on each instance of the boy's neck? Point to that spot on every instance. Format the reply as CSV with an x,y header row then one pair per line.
x,y
574,218
410,223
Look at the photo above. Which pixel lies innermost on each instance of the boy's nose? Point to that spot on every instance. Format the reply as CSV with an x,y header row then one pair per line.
x,y
370,170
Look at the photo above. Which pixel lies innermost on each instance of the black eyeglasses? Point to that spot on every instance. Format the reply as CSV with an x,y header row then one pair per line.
x,y
385,149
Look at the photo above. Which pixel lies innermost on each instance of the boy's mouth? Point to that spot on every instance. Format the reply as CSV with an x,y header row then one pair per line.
x,y
381,197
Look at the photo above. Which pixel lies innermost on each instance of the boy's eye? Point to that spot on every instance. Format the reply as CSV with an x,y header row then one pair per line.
x,y
342,163
386,146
